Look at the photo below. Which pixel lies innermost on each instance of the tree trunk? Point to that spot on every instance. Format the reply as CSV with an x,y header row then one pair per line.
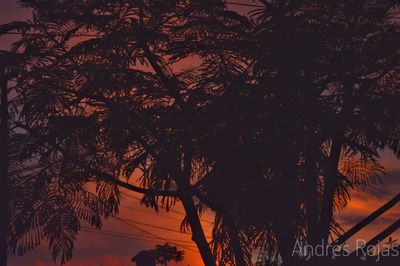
x,y
312,207
198,235
284,222
330,188
3,169
182,180
331,179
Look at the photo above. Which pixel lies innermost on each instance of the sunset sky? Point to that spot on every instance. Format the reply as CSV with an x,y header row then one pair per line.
x,y
108,249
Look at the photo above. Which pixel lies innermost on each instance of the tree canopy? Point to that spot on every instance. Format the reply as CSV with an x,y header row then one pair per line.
x,y
272,120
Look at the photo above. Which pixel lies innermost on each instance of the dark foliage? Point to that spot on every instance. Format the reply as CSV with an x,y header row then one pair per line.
x,y
280,115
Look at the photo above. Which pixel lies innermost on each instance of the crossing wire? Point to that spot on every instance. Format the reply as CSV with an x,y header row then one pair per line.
x,y
151,213
151,225
154,235
174,211
131,236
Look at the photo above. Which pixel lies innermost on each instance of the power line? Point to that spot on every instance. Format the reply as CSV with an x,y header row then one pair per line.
x,y
128,221
153,226
190,248
139,199
130,235
119,236
169,210
151,213
154,235
116,232
135,238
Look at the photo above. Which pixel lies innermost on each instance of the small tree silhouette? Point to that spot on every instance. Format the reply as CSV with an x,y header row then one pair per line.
x,y
166,253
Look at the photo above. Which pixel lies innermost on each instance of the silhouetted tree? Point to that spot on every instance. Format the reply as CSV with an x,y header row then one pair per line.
x,y
38,205
162,254
308,123
103,99
166,253
4,167
282,114
330,76
11,142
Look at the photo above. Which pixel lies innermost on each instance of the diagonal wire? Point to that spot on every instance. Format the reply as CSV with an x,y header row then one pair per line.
x,y
154,235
